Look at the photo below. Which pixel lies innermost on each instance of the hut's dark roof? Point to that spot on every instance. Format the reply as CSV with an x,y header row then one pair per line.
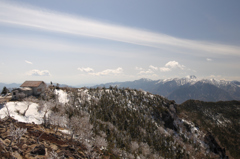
x,y
31,83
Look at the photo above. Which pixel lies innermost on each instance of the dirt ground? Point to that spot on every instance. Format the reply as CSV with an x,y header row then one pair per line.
x,y
31,146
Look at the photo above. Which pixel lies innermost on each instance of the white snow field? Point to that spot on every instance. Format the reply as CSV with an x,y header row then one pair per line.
x,y
17,108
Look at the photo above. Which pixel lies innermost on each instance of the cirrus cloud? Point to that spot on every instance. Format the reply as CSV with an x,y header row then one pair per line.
x,y
28,62
36,72
33,17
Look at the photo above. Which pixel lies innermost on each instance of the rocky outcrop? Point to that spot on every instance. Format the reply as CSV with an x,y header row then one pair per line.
x,y
168,120
39,150
214,146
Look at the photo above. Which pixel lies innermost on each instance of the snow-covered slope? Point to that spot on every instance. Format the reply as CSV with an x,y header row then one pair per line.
x,y
16,110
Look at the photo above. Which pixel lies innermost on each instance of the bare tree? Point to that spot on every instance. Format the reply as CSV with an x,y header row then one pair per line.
x,y
58,120
16,133
81,126
45,106
134,147
7,112
145,149
53,155
85,131
100,142
72,124
28,101
40,135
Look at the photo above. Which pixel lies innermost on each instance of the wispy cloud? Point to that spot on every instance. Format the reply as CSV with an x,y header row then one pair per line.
x,y
153,67
214,77
164,69
139,68
208,59
28,62
38,73
106,72
57,45
57,22
149,71
87,69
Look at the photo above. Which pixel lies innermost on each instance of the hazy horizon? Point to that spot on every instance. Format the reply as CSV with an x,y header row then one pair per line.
x,y
95,84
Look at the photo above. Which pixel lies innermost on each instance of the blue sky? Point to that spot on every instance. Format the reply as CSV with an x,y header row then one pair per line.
x,y
79,42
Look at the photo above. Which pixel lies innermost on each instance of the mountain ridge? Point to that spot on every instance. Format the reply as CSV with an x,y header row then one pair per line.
x,y
127,123
223,90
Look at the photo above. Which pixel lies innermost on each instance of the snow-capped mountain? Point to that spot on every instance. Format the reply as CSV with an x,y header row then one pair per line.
x,y
182,89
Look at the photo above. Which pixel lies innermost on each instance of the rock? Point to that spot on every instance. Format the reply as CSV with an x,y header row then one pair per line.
x,y
32,141
14,148
168,120
39,150
7,141
24,146
1,141
54,147
17,155
214,146
46,150
23,140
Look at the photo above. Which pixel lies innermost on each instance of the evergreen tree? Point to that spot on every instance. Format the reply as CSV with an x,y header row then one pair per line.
x,y
5,91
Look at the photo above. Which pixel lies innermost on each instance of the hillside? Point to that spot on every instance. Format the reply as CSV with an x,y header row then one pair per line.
x,y
221,119
38,142
119,123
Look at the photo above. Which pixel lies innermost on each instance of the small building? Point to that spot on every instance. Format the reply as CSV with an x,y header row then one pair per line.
x,y
37,87
29,88
20,93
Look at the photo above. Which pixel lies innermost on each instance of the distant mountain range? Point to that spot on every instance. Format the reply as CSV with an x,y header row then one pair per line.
x,y
178,89
11,85
182,89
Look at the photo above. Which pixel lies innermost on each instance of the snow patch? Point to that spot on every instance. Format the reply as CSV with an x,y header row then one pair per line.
x,y
65,131
62,96
17,108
